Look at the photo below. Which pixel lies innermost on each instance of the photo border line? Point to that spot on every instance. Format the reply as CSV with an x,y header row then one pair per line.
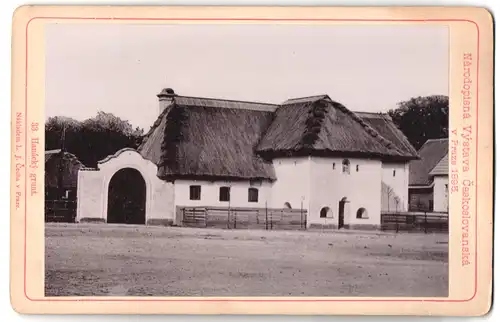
x,y
94,299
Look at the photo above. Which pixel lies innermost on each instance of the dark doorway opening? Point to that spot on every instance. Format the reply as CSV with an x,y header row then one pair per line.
x,y
127,198
342,212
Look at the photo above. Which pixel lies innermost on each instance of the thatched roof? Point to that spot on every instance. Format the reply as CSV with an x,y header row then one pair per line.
x,y
431,153
384,125
210,138
214,138
318,125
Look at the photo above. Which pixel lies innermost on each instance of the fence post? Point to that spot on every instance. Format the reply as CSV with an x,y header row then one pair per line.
x,y
397,223
271,220
301,217
425,222
266,215
234,216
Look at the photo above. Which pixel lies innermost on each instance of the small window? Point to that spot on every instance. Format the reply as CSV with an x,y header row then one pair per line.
x,y
224,194
325,212
345,166
393,173
333,166
357,167
288,205
253,195
194,192
362,213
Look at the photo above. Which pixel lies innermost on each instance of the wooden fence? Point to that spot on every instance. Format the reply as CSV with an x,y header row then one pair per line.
x,y
243,218
60,211
426,222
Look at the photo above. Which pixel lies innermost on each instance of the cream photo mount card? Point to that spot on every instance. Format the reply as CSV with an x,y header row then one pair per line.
x,y
252,160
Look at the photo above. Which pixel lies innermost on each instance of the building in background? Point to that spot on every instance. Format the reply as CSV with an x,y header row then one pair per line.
x,y
61,182
61,175
342,168
428,188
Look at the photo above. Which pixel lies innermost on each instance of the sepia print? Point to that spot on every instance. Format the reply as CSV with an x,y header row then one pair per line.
x,y
246,182
251,161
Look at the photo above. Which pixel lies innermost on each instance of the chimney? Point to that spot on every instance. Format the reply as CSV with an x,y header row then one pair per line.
x,y
166,97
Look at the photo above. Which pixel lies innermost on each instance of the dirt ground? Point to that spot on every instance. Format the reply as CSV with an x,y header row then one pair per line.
x,y
118,260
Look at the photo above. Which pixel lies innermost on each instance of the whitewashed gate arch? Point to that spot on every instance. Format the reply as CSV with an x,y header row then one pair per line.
x,y
93,205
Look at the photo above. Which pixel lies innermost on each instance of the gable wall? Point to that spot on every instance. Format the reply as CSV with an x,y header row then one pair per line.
x,y
361,188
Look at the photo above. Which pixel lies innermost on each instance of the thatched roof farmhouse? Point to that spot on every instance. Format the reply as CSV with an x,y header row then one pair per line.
x,y
222,138
309,151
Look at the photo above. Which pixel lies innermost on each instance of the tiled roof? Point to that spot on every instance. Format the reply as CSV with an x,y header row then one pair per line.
x,y
431,153
441,168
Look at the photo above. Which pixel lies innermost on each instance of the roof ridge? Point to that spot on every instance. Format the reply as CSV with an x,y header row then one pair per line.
x,y
309,96
318,97
226,100
375,113
383,114
433,140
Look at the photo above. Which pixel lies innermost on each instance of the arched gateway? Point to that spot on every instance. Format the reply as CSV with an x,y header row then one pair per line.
x,y
124,188
127,197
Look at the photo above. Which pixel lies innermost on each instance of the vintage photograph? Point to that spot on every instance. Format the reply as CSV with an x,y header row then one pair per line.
x,y
246,160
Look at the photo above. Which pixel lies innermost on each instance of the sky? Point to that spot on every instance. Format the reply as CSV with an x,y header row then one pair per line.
x,y
119,68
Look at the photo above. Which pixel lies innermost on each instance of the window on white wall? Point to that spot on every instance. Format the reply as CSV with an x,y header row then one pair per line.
x,y
224,194
357,167
362,213
325,212
346,166
393,173
194,192
253,195
333,165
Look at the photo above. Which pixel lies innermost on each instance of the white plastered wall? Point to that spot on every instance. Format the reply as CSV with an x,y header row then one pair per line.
x,y
210,193
396,176
292,184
